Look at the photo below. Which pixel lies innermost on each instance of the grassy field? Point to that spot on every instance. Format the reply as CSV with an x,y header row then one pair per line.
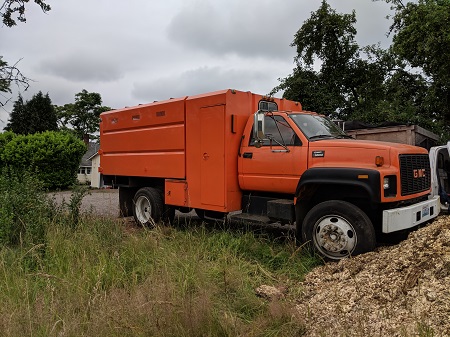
x,y
90,276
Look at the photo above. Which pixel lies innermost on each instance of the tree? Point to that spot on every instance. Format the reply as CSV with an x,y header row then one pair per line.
x,y
36,115
11,74
364,83
83,116
422,38
346,83
11,7
8,75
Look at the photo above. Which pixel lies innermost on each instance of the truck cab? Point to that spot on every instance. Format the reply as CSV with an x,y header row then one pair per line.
x,y
345,192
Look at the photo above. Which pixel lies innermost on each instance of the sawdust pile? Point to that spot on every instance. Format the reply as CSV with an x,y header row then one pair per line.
x,y
401,290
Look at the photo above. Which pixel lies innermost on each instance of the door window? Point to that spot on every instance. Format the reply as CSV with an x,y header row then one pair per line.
x,y
277,131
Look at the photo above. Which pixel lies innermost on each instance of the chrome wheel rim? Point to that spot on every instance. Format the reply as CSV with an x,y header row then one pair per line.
x,y
334,237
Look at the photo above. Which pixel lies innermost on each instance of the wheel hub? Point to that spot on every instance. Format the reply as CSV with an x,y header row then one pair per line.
x,y
335,236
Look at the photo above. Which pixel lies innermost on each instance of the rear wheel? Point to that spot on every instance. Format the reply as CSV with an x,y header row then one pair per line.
x,y
148,206
337,229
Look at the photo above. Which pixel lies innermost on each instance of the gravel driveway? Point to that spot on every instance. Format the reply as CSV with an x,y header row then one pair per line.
x,y
103,202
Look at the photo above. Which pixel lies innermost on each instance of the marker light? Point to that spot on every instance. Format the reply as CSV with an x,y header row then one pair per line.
x,y
379,161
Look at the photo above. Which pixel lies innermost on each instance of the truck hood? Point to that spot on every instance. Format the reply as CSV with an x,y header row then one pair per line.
x,y
356,153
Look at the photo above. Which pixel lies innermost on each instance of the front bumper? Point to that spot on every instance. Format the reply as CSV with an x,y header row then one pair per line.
x,y
410,216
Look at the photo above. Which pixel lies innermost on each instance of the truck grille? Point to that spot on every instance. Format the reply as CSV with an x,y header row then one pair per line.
x,y
415,175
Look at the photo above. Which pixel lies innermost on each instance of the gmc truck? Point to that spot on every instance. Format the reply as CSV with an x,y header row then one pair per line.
x,y
261,157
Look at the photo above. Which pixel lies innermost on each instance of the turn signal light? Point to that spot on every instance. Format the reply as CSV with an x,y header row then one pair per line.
x,y
379,161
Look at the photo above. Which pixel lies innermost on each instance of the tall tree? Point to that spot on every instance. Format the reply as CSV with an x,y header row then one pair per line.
x,y
335,76
346,83
421,36
83,116
36,115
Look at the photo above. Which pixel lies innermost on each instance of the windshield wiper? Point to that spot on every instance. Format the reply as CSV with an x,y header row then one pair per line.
x,y
321,136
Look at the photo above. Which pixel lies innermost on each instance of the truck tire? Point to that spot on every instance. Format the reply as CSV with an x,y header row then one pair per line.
x,y
337,229
148,206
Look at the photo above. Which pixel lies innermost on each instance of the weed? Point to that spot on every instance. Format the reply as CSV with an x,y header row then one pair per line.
x,y
424,330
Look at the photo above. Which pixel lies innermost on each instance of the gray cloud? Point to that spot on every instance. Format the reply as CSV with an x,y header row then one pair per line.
x,y
154,50
80,66
249,28
198,81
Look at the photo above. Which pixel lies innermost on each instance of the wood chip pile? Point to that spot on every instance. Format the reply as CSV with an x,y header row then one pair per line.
x,y
401,290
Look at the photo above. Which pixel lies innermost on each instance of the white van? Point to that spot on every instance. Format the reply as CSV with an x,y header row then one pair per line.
x,y
440,174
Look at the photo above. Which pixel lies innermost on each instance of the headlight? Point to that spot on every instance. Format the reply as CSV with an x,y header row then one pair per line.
x,y
386,183
390,186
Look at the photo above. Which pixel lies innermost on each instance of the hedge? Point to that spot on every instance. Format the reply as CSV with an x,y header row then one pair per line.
x,y
54,156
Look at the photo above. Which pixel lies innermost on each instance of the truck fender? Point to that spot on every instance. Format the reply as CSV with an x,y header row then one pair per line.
x,y
342,179
365,179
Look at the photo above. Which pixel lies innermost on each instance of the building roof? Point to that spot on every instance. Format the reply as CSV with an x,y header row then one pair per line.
x,y
87,157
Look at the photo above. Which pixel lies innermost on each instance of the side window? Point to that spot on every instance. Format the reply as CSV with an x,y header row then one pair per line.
x,y
279,131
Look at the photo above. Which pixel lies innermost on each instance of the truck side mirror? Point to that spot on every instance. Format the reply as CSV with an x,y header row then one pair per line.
x,y
258,126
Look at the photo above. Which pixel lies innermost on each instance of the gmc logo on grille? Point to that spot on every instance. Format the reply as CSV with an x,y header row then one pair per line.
x,y
419,173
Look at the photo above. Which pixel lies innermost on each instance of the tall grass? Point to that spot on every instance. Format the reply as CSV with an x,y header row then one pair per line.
x,y
105,279
94,276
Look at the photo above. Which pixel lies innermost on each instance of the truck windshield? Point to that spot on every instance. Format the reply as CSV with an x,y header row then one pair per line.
x,y
317,127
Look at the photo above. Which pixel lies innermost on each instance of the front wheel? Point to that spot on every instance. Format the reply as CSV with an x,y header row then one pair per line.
x,y
337,229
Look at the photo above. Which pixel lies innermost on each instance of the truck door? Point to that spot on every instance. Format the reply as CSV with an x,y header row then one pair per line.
x,y
212,167
272,167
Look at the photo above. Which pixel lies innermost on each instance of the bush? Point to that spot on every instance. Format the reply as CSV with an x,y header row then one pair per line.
x,y
25,209
54,156
5,138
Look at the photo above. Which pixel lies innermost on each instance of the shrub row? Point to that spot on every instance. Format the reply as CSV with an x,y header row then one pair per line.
x,y
53,156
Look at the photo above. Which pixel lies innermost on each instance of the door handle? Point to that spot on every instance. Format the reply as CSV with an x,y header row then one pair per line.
x,y
248,155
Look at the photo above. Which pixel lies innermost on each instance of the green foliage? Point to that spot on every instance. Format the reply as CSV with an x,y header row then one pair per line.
x,y
347,83
83,116
408,83
54,156
422,38
102,278
24,213
36,115
74,205
4,78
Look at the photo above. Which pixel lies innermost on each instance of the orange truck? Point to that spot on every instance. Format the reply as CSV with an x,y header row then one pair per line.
x,y
263,158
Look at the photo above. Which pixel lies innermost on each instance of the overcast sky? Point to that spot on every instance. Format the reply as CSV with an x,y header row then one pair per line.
x,y
138,51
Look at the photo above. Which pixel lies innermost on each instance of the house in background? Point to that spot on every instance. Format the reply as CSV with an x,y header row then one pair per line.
x,y
85,171
96,177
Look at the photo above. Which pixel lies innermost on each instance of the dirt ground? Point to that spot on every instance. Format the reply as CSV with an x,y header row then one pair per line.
x,y
399,290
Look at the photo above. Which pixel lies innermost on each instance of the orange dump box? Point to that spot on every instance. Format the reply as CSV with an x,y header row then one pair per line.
x,y
192,143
